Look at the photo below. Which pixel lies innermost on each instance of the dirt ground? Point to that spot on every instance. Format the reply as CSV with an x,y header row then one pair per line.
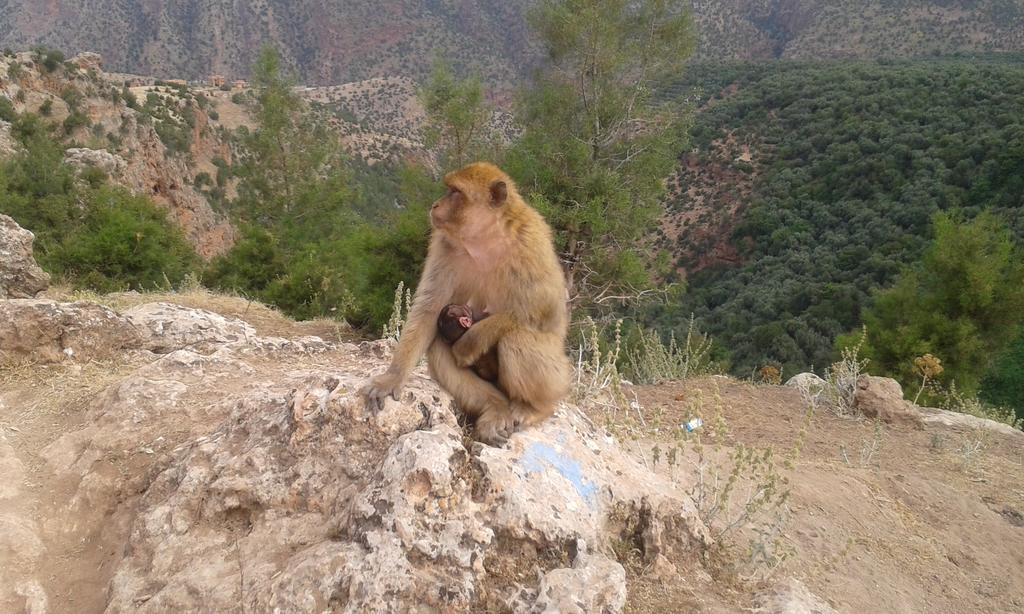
x,y
883,518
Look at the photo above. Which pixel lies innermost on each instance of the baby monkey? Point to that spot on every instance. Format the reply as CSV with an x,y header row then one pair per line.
x,y
455,320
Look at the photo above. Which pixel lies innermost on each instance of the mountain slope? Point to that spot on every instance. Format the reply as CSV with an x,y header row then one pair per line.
x,y
331,43
810,185
326,42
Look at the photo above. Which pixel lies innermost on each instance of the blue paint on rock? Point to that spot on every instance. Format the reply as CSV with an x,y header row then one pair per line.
x,y
540,456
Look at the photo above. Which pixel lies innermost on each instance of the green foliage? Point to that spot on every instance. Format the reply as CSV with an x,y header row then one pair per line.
x,y
597,144
49,59
74,121
7,112
1004,383
456,117
87,233
305,249
963,303
853,160
123,241
46,109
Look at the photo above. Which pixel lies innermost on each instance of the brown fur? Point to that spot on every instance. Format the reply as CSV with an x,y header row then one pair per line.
x,y
490,250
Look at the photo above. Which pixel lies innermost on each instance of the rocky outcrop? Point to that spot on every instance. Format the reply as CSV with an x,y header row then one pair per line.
x,y
881,398
303,500
133,154
37,330
8,146
82,158
222,474
20,276
88,60
171,327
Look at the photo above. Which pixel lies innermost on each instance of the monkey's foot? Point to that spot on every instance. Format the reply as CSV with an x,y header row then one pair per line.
x,y
376,390
495,427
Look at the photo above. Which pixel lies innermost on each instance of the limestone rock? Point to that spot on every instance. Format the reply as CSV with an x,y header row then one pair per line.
x,y
87,60
595,583
8,146
790,597
20,276
82,158
806,381
48,331
945,417
302,498
173,327
882,398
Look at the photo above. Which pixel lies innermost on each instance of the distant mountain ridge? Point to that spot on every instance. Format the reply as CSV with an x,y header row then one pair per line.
x,y
328,43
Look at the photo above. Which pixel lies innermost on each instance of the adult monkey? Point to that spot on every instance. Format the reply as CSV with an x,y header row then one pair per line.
x,y
491,250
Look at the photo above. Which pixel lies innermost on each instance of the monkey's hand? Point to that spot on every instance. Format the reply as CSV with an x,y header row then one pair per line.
x,y
380,387
480,338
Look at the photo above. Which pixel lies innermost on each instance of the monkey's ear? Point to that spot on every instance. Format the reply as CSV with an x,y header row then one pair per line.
x,y
499,192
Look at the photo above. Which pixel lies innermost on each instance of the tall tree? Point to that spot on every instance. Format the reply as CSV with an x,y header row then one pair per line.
x,y
457,117
963,303
598,143
294,171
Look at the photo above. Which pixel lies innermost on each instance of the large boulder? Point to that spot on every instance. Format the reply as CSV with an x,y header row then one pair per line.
x,y
302,501
20,276
38,330
171,327
82,158
881,398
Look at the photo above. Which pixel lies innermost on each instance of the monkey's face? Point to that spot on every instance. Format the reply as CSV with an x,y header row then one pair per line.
x,y
449,211
468,209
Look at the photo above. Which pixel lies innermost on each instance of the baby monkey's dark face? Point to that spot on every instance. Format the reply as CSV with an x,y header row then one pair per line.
x,y
453,321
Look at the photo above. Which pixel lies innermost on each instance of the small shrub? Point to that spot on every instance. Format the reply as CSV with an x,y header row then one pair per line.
x,y
74,121
841,378
598,380
202,179
49,59
7,112
129,98
952,399
649,361
46,109
214,115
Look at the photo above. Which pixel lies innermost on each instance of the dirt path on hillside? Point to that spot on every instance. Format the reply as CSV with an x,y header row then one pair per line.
x,y
883,518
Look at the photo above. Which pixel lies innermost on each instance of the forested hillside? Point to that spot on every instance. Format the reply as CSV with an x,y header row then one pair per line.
x,y
808,186
333,42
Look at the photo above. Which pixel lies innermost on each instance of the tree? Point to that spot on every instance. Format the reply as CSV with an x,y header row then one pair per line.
x,y
456,117
294,172
963,303
598,143
1003,385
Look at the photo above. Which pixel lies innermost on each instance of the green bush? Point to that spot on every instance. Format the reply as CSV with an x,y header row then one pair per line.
x,y
124,241
74,121
7,112
49,59
87,233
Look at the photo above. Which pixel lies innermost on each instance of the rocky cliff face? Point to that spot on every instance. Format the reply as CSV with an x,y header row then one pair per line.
x,y
20,276
125,141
